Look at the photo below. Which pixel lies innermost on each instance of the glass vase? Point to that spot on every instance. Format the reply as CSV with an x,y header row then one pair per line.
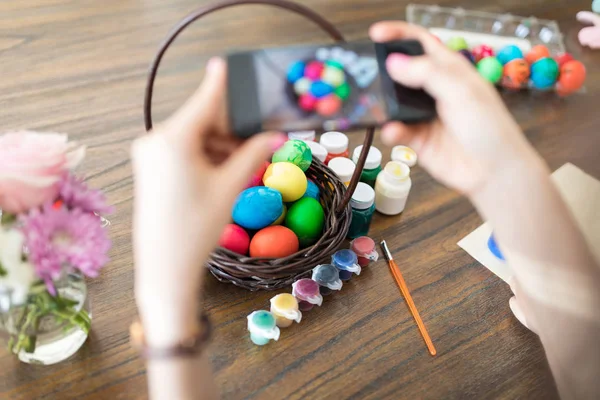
x,y
47,329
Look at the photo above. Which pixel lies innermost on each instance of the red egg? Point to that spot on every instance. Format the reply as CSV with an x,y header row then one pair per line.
x,y
307,102
235,238
314,70
571,78
329,105
563,58
516,74
274,242
256,179
482,51
536,53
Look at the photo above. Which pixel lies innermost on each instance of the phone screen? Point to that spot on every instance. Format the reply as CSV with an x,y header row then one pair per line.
x,y
334,87
326,87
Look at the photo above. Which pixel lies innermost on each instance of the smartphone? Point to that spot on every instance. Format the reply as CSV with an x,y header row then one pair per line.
x,y
323,88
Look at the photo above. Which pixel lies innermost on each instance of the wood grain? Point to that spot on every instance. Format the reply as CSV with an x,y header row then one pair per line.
x,y
80,66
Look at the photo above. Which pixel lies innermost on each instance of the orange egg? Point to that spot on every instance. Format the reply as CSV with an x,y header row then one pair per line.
x,y
536,53
274,242
571,78
516,74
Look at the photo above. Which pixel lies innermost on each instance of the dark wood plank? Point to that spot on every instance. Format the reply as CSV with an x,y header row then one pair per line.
x,y
80,66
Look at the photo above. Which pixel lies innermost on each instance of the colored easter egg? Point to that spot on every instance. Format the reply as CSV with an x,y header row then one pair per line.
x,y
235,238
544,73
329,105
302,86
537,52
257,207
281,218
288,179
457,43
334,64
509,53
312,190
256,179
516,74
468,55
306,219
320,89
296,152
490,69
296,71
572,77
563,58
333,76
308,102
482,51
343,91
274,242
314,70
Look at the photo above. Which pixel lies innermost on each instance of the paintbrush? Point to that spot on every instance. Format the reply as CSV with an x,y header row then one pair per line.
x,y
409,301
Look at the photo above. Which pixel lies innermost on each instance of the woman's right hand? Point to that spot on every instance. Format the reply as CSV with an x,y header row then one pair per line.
x,y
474,137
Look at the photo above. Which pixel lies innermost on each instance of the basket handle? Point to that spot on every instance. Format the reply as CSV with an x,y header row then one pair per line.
x,y
287,5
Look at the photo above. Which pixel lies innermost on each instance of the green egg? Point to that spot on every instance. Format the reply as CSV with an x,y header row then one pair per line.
x,y
334,64
306,219
457,43
490,69
343,91
296,152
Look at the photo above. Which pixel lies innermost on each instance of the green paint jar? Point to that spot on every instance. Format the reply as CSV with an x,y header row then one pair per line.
x,y
363,208
372,166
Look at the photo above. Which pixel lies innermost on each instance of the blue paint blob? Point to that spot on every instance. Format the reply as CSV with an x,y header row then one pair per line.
x,y
509,53
493,246
320,89
257,207
296,71
312,190
347,262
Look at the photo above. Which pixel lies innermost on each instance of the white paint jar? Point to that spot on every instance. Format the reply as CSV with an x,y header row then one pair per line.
x,y
392,188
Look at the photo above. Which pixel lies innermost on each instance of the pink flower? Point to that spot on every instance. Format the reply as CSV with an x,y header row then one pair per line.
x,y
59,239
31,167
75,193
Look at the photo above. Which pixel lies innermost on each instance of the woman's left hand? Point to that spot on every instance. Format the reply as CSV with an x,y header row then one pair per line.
x,y
188,172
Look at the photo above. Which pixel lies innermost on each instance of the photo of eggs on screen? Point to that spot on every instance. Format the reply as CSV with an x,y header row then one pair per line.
x,y
331,87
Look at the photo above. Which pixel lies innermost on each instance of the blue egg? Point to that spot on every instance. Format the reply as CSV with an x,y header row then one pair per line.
x,y
257,207
544,73
493,246
296,71
312,190
320,89
509,53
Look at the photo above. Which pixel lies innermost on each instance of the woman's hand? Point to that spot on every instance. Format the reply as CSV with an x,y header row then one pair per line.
x,y
475,135
188,171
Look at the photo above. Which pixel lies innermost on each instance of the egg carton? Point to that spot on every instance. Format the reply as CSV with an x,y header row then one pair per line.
x,y
492,29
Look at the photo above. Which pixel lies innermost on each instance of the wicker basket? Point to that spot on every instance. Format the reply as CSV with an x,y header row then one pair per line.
x,y
270,274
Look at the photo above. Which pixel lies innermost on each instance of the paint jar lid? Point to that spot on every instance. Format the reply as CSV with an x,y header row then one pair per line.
x,y
363,197
307,290
343,168
286,305
327,275
397,171
364,246
302,135
373,158
405,155
319,152
334,142
346,260
263,322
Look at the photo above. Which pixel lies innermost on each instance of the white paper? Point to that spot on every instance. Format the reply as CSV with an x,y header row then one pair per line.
x,y
580,191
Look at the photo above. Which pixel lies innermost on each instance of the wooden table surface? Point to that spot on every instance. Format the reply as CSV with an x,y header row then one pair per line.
x,y
80,67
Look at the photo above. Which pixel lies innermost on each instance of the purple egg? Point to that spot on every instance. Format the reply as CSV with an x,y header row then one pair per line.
x,y
468,55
